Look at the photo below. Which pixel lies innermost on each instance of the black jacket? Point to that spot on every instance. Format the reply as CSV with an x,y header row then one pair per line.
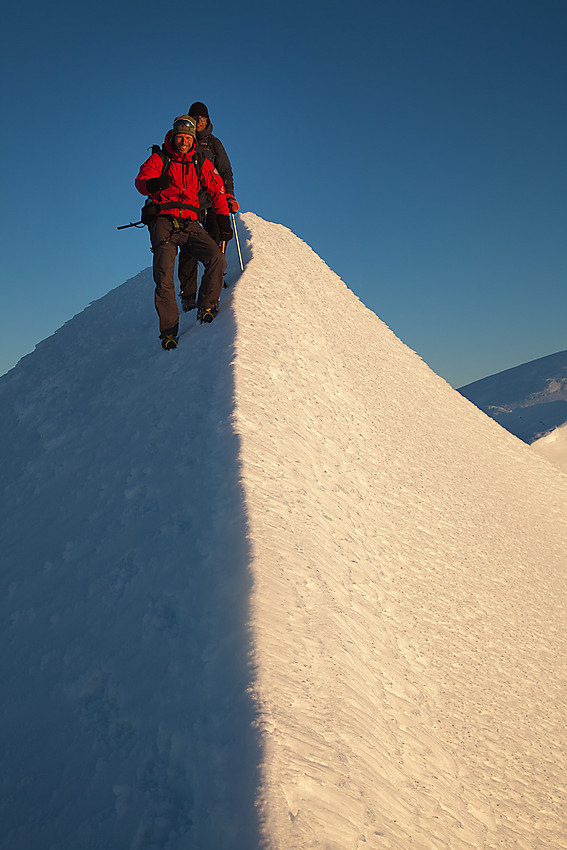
x,y
214,150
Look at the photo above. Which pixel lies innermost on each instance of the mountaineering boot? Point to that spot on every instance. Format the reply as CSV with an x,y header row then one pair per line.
x,y
169,342
206,314
188,302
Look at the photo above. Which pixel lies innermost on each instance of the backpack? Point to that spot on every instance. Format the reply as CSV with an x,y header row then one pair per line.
x,y
151,209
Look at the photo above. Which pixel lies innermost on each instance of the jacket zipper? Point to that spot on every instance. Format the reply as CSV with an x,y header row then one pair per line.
x,y
183,180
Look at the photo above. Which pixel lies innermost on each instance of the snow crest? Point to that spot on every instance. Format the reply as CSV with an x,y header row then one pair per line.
x,y
282,587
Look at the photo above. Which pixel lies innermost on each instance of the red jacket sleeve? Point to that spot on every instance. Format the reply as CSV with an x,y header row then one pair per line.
x,y
212,182
151,168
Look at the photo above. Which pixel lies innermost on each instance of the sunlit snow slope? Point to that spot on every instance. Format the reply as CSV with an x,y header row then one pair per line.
x,y
281,587
554,447
409,562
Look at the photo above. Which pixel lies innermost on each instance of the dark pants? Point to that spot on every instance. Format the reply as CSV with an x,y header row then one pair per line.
x,y
211,225
167,235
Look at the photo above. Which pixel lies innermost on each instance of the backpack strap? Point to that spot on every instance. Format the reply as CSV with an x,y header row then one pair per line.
x,y
165,157
198,159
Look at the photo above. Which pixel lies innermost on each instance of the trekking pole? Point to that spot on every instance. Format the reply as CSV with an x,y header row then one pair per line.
x,y
237,242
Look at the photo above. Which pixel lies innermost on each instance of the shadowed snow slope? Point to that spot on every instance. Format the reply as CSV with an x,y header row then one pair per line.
x,y
281,587
126,721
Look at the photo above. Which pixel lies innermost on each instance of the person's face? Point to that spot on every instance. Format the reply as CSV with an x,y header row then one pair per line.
x,y
183,143
202,122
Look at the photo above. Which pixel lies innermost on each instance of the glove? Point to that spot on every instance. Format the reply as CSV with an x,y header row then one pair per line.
x,y
225,230
233,204
157,184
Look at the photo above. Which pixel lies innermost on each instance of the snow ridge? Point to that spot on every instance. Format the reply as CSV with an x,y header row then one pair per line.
x,y
283,587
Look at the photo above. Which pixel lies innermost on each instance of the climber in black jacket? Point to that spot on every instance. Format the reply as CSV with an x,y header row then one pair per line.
x,y
214,150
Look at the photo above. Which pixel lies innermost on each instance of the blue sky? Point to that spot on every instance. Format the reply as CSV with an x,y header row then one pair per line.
x,y
418,147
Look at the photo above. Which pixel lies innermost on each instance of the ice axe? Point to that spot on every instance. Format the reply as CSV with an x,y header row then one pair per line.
x,y
132,224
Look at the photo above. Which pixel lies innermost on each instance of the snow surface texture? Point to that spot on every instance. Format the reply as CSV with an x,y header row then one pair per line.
x,y
529,400
282,587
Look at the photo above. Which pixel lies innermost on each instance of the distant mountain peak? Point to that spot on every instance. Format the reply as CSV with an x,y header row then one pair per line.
x,y
529,400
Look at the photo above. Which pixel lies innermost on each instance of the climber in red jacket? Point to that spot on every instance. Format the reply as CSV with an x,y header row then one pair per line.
x,y
172,178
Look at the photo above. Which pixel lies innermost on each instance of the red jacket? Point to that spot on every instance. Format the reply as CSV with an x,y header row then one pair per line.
x,y
184,186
